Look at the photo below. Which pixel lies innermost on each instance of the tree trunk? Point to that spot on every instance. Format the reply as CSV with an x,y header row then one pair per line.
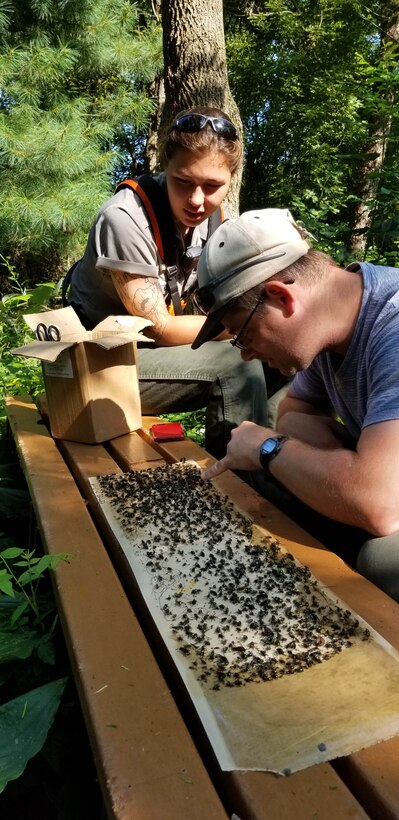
x,y
195,69
156,90
375,150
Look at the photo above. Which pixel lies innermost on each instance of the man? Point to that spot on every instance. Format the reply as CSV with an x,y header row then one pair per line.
x,y
337,332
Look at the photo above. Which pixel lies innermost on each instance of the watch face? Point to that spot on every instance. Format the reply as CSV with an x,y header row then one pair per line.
x,y
269,446
270,449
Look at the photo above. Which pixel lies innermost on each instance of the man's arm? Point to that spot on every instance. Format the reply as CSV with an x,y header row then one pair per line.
x,y
291,404
142,296
306,422
360,488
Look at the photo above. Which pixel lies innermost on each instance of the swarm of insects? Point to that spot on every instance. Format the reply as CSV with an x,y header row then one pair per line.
x,y
239,611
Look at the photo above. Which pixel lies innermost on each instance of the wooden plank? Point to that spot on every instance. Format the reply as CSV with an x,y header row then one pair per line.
x,y
147,762
318,791
371,774
134,453
313,794
375,777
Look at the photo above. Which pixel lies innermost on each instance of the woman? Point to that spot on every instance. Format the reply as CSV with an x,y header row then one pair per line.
x,y
121,272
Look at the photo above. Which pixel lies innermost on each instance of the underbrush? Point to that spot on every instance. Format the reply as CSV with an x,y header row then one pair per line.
x,y
46,766
193,423
18,375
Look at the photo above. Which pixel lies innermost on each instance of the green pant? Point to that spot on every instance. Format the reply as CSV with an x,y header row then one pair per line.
x,y
174,379
378,560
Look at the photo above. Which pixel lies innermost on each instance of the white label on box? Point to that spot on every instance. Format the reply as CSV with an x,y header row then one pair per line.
x,y
62,368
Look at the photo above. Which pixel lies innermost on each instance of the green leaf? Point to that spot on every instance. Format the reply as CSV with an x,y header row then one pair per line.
x,y
45,651
18,612
11,552
41,564
18,645
26,563
6,585
14,299
25,577
24,724
40,296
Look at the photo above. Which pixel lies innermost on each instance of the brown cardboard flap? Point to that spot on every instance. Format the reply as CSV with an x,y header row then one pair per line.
x,y
112,332
46,351
64,318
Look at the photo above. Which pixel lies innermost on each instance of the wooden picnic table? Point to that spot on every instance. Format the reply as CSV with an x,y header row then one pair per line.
x,y
153,760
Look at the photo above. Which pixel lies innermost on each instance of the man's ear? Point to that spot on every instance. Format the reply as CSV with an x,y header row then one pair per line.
x,y
281,295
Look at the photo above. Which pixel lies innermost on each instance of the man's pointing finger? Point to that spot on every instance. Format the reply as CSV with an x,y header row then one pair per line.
x,y
215,469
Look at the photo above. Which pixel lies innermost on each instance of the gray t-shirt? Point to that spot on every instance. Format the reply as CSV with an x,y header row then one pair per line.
x,y
363,386
121,239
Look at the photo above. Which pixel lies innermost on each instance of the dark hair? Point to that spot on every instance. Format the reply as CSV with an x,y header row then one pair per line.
x,y
201,141
309,268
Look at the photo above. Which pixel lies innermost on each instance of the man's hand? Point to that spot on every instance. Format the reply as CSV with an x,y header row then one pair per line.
x,y
242,450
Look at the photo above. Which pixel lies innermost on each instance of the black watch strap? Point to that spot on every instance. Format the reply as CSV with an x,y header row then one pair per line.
x,y
269,449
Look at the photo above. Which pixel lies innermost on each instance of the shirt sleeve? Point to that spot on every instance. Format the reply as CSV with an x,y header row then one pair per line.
x,y
124,245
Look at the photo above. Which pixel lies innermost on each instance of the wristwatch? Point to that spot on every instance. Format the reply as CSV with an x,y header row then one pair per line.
x,y
270,449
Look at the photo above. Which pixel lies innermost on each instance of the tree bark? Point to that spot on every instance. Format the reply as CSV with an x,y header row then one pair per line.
x,y
375,150
157,90
195,68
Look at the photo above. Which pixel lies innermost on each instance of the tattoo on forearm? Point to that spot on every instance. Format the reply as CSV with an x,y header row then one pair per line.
x,y
144,299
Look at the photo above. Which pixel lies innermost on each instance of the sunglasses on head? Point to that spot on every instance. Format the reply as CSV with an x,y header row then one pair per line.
x,y
192,123
205,296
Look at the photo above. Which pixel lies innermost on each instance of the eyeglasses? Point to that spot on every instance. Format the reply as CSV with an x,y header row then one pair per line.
x,y
192,123
205,297
235,342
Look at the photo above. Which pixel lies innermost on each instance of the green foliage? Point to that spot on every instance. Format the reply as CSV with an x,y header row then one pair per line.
x,y
30,683
19,375
193,423
22,587
28,699
310,79
18,644
71,76
24,724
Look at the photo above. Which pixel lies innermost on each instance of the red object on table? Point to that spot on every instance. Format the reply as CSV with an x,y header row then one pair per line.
x,y
170,431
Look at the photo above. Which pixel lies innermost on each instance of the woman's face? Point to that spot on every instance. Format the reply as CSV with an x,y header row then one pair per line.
x,y
196,185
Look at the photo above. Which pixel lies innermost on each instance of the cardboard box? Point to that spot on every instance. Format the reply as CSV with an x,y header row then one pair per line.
x,y
90,377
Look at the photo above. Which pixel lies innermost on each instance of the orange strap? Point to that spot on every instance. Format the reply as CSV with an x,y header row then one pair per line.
x,y
171,309
150,211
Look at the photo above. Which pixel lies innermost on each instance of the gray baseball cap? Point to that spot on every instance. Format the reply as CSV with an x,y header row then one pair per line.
x,y
241,254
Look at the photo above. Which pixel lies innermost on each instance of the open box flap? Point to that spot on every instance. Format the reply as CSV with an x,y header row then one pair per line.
x,y
112,332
